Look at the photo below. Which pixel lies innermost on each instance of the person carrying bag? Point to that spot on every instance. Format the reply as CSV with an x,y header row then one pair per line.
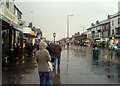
x,y
43,57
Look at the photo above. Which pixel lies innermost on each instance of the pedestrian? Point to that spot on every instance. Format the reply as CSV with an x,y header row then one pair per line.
x,y
37,46
57,54
42,56
49,48
94,45
29,49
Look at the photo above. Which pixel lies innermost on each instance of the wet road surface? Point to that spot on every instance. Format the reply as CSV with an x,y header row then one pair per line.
x,y
77,67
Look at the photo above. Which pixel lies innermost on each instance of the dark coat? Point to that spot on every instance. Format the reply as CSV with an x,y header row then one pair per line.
x,y
57,50
29,48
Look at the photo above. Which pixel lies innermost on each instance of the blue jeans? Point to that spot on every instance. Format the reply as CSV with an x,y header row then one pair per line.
x,y
47,76
58,61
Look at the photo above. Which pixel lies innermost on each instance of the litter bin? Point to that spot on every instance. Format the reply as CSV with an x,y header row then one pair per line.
x,y
95,54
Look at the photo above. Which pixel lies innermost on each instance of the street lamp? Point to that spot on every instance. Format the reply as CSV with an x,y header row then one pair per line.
x,y
84,40
54,35
68,29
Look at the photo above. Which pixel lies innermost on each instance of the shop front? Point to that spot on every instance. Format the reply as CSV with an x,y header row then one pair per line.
x,y
117,40
9,30
112,40
8,39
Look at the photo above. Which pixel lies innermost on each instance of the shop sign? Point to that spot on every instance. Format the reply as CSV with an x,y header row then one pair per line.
x,y
27,30
4,11
8,14
4,18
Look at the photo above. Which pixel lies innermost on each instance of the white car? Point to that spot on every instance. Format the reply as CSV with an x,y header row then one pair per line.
x,y
114,47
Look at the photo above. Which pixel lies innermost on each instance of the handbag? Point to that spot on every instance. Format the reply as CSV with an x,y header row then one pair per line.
x,y
50,66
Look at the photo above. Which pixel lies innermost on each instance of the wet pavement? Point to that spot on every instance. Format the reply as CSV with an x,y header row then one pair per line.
x,y
77,67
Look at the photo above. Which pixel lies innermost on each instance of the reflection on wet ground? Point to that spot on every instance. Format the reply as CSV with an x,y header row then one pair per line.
x,y
77,67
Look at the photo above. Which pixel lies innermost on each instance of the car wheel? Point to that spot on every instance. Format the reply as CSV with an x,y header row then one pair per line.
x,y
113,49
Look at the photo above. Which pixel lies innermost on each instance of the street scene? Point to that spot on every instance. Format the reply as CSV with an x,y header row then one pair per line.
x,y
47,43
77,67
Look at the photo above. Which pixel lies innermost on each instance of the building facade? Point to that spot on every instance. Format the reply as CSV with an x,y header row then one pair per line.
x,y
115,28
99,32
10,31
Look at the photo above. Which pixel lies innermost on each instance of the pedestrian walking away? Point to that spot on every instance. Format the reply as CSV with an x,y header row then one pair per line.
x,y
57,54
42,56
29,49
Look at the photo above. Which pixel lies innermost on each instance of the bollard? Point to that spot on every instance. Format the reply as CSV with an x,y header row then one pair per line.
x,y
111,53
95,54
6,61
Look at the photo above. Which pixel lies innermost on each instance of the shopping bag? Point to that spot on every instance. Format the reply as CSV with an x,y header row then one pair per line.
x,y
50,66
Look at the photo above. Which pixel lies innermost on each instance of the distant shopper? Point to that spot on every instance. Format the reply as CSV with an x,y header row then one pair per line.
x,y
29,49
57,54
37,46
42,56
94,45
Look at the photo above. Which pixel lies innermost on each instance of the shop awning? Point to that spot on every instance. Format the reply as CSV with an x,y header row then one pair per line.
x,y
33,33
27,30
46,41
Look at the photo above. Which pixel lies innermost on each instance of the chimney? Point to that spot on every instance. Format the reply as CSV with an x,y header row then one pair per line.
x,y
30,24
33,27
92,24
108,16
97,22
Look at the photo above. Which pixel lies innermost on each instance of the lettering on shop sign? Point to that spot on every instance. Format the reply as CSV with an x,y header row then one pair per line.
x,y
9,15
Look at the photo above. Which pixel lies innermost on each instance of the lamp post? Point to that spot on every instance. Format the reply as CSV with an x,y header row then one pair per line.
x,y
54,35
68,30
84,40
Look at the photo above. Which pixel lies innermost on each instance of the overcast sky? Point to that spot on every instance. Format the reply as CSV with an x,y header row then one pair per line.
x,y
51,15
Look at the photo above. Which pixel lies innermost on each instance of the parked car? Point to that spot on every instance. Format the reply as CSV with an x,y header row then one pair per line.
x,y
113,47
117,51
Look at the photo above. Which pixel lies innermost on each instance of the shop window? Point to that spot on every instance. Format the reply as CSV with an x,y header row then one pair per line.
x,y
5,42
103,27
7,3
112,22
112,31
117,31
118,20
107,26
99,31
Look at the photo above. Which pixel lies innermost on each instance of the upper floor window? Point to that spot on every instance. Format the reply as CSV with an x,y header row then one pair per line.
x,y
107,26
103,27
112,22
112,31
7,3
118,20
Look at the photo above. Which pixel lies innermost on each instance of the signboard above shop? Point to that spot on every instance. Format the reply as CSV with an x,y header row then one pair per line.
x,y
4,11
27,30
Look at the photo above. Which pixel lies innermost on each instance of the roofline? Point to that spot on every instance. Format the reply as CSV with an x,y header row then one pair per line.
x,y
17,8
